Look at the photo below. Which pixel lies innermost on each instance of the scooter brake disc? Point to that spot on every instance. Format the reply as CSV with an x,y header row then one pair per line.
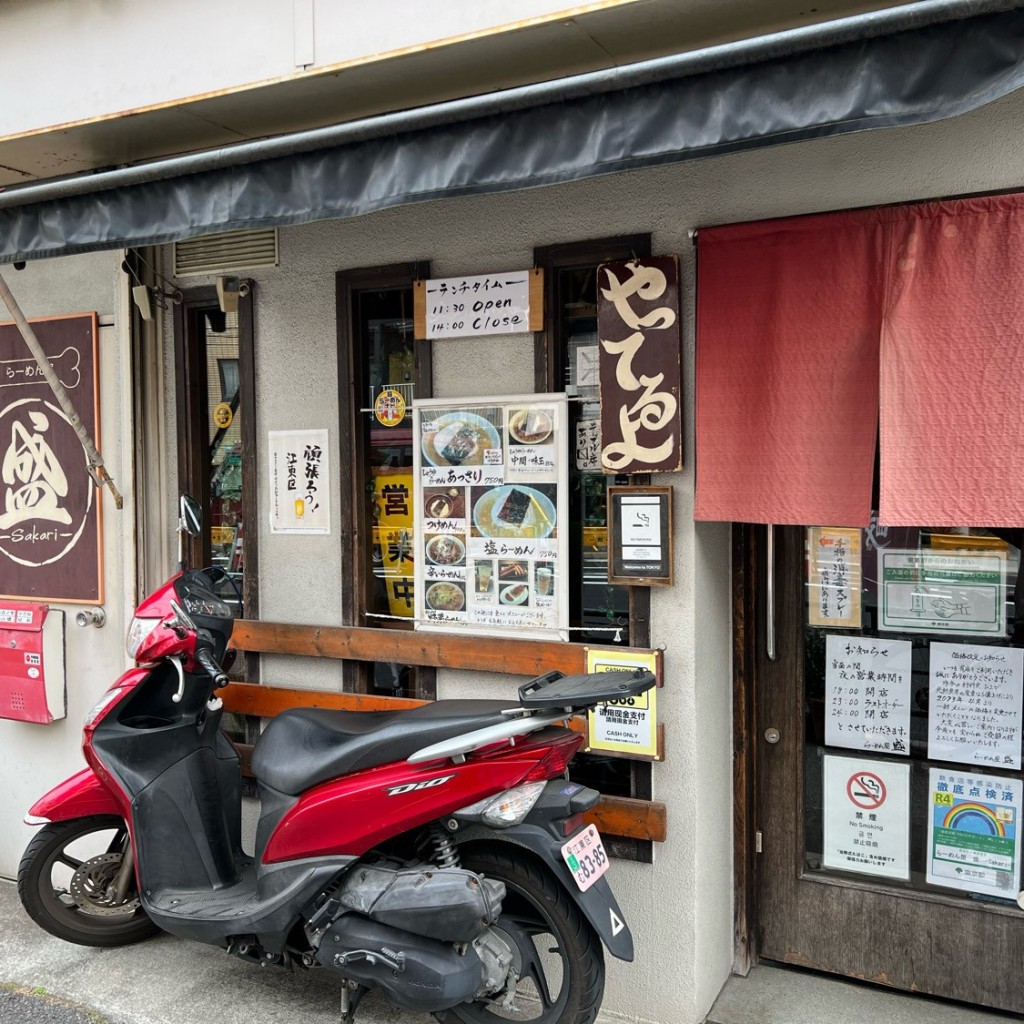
x,y
90,887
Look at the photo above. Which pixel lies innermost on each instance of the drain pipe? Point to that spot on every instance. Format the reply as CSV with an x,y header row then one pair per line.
x,y
97,470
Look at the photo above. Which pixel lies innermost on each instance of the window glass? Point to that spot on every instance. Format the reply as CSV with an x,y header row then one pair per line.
x,y
913,691
223,417
383,327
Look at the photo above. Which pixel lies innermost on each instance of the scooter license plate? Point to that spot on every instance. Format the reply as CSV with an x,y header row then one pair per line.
x,y
586,858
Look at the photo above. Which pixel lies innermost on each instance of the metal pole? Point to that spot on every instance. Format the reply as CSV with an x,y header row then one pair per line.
x,y
97,470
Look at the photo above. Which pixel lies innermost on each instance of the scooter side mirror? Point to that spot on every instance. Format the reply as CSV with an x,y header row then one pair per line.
x,y
191,516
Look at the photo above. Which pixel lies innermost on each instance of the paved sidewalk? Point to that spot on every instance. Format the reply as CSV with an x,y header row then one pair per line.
x,y
170,981
165,981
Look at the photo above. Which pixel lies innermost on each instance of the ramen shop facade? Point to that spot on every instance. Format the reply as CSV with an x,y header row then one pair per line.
x,y
447,445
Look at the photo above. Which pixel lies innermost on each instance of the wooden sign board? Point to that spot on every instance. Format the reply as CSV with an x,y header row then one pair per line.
x,y
50,524
639,326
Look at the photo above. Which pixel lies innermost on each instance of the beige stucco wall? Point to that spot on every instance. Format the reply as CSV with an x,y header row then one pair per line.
x,y
33,758
681,907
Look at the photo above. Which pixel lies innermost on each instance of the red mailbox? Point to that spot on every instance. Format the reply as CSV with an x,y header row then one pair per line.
x,y
31,663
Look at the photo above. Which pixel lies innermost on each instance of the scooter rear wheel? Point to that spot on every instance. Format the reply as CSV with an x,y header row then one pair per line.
x,y
63,880
558,954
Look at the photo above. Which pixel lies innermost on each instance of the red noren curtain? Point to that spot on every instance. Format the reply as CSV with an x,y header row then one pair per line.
x,y
787,370
810,328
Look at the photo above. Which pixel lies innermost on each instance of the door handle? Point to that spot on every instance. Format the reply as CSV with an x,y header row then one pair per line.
x,y
772,735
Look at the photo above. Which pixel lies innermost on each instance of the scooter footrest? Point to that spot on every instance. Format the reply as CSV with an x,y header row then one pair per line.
x,y
209,904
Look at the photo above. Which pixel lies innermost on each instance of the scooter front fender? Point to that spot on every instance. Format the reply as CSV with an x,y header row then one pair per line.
x,y
78,797
597,904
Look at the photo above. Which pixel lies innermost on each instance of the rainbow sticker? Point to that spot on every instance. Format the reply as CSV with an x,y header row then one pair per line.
x,y
980,819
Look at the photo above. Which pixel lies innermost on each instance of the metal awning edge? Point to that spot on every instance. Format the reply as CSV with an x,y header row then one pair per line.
x,y
544,135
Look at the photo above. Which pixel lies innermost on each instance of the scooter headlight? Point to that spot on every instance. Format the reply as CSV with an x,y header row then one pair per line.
x,y
138,633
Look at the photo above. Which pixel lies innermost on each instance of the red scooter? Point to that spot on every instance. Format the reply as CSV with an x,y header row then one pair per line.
x,y
438,855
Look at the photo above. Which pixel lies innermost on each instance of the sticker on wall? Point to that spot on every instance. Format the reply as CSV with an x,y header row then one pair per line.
x,y
867,693
974,832
974,704
866,816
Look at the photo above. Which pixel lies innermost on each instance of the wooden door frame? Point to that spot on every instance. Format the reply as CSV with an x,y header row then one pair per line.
x,y
188,395
355,545
747,632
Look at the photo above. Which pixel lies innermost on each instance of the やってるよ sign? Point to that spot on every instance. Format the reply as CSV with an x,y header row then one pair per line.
x,y
638,321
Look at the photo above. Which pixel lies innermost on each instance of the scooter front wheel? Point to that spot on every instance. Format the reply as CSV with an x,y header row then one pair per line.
x,y
557,955
66,881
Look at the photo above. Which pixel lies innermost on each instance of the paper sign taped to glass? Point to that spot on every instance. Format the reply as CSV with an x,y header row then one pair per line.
x,y
943,592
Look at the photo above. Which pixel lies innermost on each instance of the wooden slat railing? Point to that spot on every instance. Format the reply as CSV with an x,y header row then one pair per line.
x,y
621,816
409,647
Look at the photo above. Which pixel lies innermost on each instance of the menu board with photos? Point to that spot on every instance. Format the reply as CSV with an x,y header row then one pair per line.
x,y
490,477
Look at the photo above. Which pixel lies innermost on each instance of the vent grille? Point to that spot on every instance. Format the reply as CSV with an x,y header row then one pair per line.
x,y
232,250
17,701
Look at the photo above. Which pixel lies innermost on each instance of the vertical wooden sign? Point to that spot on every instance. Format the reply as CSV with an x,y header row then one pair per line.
x,y
639,326
50,530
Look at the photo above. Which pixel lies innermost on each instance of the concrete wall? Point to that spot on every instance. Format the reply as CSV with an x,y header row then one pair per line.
x,y
681,907
33,758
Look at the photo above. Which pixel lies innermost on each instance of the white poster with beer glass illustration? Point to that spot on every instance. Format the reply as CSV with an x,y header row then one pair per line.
x,y
490,477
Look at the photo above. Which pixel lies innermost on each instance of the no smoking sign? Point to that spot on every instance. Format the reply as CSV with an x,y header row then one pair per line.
x,y
866,790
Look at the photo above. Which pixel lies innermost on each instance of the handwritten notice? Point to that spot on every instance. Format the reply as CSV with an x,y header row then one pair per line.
x,y
588,446
300,486
867,693
866,816
833,577
974,832
459,307
975,697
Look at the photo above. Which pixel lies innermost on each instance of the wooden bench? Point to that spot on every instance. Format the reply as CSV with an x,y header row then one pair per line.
x,y
621,816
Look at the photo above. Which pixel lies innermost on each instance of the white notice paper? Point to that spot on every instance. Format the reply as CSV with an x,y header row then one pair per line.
x,y
866,816
867,693
300,486
974,704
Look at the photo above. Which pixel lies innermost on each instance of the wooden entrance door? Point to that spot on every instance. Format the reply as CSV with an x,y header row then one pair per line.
x,y
897,931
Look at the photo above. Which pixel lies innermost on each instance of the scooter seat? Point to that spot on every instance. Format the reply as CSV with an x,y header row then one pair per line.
x,y
303,747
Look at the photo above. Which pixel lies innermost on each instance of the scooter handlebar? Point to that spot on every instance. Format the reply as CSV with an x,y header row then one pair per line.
x,y
205,658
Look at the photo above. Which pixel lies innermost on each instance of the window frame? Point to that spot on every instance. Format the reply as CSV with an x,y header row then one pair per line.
x,y
550,357
190,391
355,529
